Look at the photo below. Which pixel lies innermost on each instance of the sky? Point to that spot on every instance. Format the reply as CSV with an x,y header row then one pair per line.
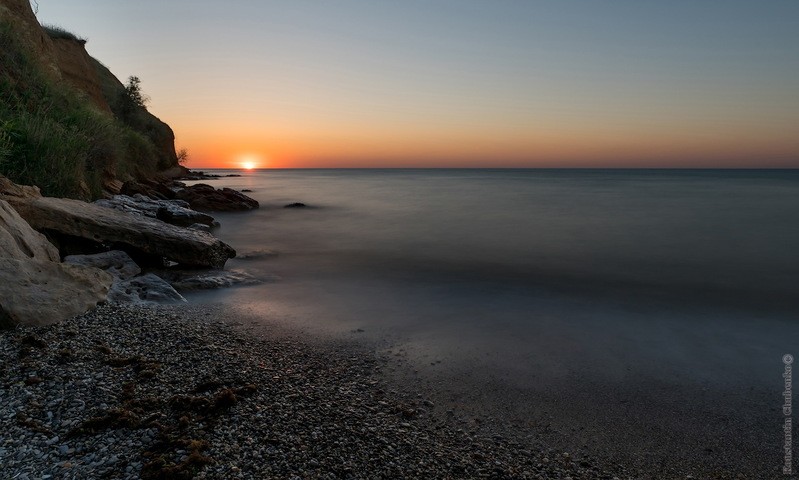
x,y
459,83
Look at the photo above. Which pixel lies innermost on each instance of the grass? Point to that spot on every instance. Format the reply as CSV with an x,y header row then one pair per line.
x,y
56,32
51,136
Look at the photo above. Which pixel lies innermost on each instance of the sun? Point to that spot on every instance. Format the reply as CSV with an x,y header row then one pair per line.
x,y
250,161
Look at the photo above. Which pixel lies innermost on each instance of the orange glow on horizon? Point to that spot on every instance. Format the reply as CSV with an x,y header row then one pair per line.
x,y
553,144
553,151
248,161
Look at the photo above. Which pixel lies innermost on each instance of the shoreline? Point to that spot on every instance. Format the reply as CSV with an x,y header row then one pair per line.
x,y
148,391
173,392
660,426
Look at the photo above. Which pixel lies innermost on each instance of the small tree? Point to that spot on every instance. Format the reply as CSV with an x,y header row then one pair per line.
x,y
134,94
183,156
132,99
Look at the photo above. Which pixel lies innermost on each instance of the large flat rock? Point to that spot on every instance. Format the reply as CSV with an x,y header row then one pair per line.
x,y
92,222
41,292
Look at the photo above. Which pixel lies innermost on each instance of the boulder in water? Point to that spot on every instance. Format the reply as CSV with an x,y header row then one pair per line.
x,y
206,198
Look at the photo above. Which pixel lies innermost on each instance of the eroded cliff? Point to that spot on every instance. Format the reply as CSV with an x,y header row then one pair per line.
x,y
48,136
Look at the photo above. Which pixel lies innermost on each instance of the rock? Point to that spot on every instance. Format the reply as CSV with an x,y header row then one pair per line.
x,y
198,175
177,171
116,262
126,231
18,240
113,186
200,226
38,292
156,188
148,288
183,217
295,205
205,197
176,212
35,289
193,280
11,189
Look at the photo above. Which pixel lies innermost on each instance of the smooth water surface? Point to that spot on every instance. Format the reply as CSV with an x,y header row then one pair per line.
x,y
533,274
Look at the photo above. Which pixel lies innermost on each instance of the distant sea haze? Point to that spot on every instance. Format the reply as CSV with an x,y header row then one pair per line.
x,y
529,267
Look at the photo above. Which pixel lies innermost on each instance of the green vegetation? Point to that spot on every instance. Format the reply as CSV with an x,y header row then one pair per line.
x,y
53,137
54,31
132,97
129,105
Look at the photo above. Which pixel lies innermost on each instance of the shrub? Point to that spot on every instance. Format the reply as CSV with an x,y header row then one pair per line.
x,y
183,156
132,101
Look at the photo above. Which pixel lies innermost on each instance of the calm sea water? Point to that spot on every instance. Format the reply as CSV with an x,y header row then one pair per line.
x,y
691,273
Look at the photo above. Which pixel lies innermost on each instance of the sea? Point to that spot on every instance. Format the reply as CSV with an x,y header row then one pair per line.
x,y
533,280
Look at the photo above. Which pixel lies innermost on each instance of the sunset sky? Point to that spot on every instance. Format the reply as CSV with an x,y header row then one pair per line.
x,y
458,83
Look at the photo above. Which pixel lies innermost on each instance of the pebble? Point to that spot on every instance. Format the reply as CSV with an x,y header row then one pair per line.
x,y
295,409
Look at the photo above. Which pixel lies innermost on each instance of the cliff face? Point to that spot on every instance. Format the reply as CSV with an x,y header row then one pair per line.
x,y
66,61
77,68
141,120
38,44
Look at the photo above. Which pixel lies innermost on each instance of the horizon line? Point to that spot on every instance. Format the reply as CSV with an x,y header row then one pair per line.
x,y
494,168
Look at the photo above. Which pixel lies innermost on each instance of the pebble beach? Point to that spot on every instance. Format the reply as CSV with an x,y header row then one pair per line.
x,y
173,392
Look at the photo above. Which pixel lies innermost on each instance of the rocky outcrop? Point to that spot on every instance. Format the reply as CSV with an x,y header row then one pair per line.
x,y
35,289
126,231
201,196
206,198
175,212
